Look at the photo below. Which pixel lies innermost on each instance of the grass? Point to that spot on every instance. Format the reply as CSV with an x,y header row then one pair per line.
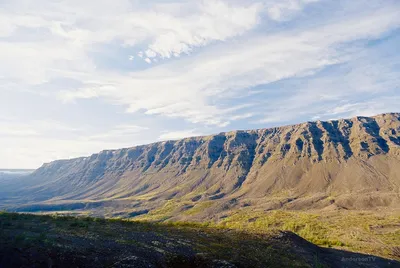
x,y
365,232
74,241
163,213
198,208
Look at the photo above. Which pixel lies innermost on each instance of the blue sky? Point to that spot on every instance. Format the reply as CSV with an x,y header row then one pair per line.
x,y
77,77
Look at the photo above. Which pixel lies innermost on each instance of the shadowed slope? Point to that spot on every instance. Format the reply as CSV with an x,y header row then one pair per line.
x,y
51,241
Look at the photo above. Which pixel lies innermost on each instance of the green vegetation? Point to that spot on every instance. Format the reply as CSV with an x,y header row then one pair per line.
x,y
199,208
243,238
365,232
91,242
163,213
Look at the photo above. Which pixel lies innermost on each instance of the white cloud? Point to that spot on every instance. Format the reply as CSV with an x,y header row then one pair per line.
x,y
184,88
168,33
119,132
176,135
366,108
32,143
32,152
150,53
34,62
236,48
214,21
283,9
17,131
241,116
75,27
33,128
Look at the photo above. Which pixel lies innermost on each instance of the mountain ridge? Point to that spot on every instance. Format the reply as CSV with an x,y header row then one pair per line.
x,y
220,133
319,164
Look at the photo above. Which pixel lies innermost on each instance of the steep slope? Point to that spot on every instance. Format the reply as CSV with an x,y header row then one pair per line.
x,y
348,163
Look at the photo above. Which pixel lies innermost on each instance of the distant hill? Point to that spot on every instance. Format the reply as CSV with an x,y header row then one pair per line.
x,y
16,171
341,164
11,174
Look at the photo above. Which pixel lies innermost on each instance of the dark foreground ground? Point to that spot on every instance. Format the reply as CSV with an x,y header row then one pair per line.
x,y
53,241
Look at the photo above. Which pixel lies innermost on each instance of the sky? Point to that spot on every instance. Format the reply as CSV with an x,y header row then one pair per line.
x,y
77,77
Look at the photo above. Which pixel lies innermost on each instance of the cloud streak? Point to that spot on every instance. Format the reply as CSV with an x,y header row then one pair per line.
x,y
192,83
108,74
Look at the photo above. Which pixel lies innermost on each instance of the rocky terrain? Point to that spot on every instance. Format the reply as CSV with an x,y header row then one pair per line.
x,y
344,164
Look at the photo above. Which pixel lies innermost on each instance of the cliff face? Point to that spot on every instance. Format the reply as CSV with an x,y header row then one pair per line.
x,y
334,158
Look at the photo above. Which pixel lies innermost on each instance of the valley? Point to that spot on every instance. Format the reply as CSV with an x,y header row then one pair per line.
x,y
336,184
